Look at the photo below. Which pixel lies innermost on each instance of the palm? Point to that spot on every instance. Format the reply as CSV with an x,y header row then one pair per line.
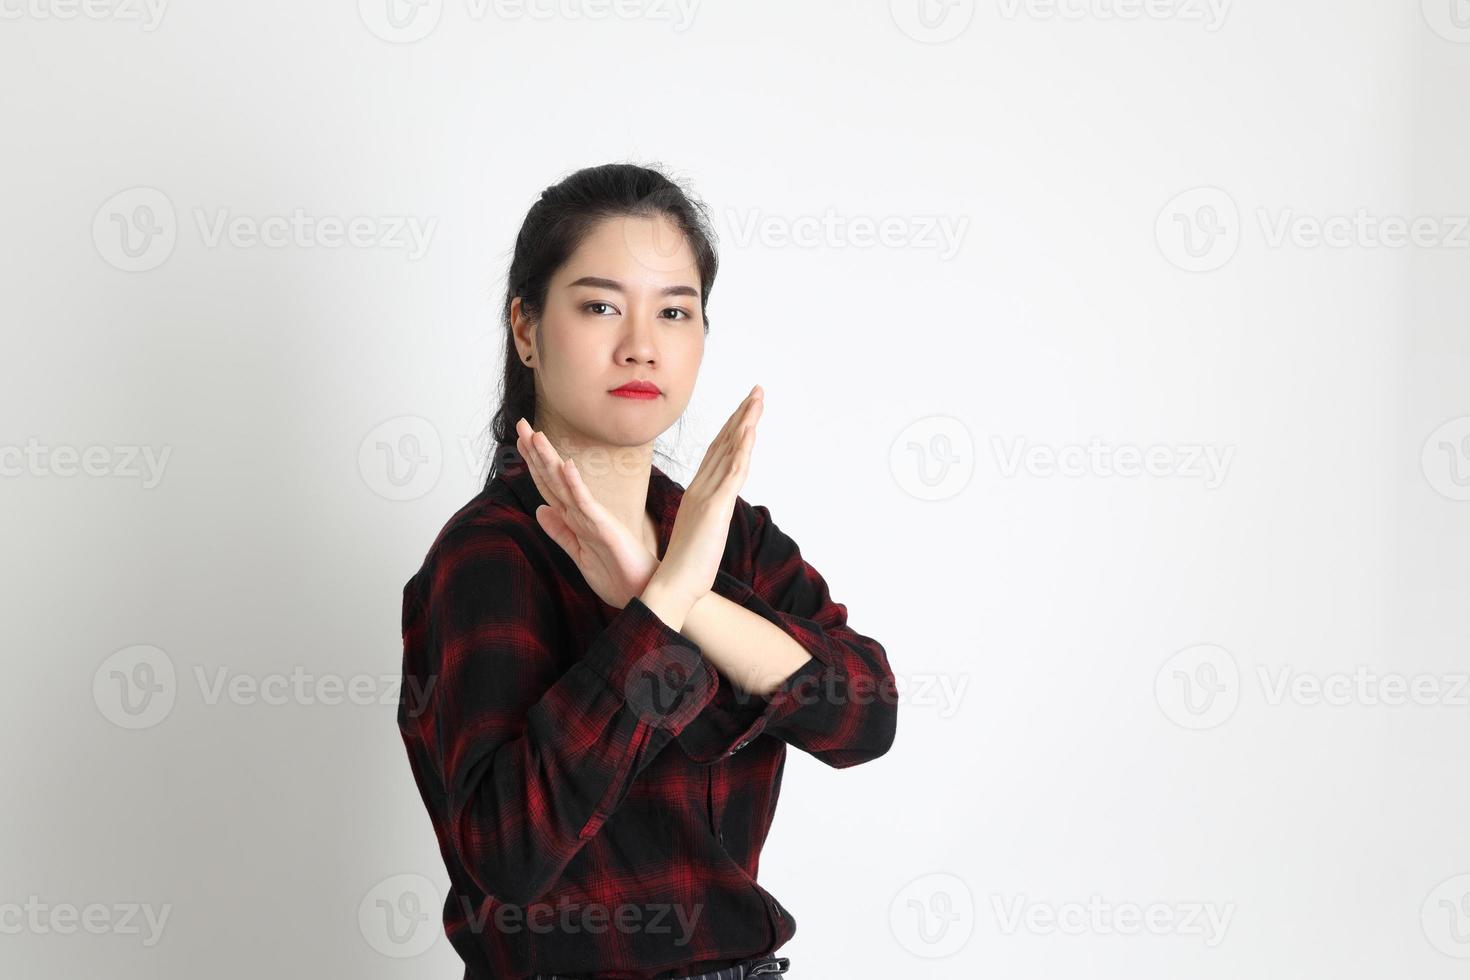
x,y
615,564
702,527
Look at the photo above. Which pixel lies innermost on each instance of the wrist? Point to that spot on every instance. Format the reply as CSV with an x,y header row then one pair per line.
x,y
666,582
668,600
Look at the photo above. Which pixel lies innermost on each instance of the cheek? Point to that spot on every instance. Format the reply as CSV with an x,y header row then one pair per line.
x,y
690,350
684,359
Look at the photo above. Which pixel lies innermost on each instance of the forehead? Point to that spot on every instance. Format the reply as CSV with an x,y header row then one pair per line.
x,y
640,252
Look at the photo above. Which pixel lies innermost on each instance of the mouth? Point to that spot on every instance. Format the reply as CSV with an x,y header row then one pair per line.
x,y
637,389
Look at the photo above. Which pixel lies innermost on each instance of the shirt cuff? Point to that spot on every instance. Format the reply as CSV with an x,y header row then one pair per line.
x,y
659,671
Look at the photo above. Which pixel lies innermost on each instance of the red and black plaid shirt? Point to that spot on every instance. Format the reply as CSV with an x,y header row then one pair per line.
x,y
599,792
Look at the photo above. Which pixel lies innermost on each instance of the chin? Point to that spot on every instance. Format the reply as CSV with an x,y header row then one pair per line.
x,y
625,436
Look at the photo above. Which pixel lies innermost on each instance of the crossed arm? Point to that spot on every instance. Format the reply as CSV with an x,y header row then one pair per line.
x,y
752,652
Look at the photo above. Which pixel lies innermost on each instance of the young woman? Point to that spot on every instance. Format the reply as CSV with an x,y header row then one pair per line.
x,y
602,668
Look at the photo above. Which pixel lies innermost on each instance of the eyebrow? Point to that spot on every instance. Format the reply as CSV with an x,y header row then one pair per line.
x,y
615,285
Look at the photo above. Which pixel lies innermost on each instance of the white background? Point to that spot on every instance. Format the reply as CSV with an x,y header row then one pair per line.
x,y
1117,177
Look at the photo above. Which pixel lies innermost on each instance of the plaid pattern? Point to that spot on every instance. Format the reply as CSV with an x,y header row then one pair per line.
x,y
600,794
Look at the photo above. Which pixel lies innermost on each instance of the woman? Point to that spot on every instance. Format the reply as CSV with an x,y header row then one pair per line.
x,y
607,667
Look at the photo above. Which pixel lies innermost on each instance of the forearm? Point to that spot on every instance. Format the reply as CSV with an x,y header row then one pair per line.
x,y
749,650
752,652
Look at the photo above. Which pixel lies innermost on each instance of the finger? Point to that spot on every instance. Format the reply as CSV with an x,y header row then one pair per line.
x,y
537,472
557,529
546,465
738,417
719,445
720,454
529,451
586,504
741,464
733,420
753,425
582,510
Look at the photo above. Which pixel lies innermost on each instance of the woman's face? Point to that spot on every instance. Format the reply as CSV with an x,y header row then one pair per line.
x,y
625,307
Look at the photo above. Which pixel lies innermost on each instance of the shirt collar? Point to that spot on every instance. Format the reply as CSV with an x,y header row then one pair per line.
x,y
663,492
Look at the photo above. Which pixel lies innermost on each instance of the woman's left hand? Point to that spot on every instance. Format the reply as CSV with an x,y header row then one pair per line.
x,y
702,528
613,560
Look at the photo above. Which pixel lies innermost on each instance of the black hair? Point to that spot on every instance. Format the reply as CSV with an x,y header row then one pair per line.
x,y
566,213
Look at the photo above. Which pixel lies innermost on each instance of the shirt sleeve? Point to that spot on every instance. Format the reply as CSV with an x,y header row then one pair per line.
x,y
534,756
841,706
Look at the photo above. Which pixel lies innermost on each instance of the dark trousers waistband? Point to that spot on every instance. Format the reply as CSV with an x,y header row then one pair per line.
x,y
759,967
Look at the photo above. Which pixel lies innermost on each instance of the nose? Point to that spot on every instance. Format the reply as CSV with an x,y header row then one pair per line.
x,y
638,344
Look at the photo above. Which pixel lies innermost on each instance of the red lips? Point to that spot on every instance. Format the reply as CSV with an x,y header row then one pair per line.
x,y
639,387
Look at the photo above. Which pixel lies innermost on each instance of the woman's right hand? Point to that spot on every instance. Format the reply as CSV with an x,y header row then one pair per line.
x,y
702,527
616,564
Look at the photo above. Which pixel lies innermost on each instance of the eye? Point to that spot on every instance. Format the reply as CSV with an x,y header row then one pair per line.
x,y
589,306
675,309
